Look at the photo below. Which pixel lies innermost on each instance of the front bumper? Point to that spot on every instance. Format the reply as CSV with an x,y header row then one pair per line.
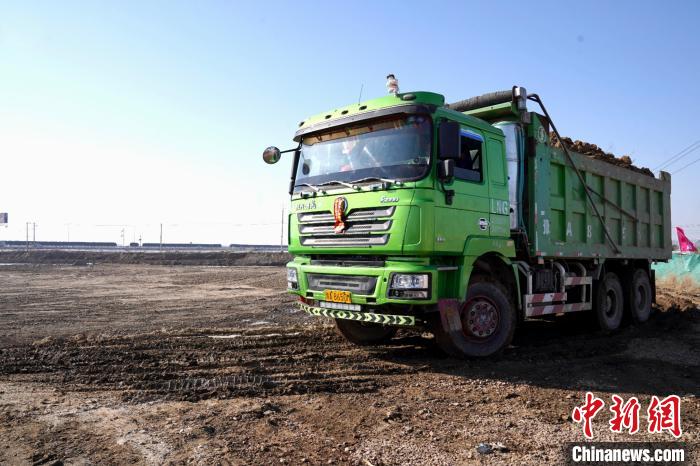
x,y
379,296
369,317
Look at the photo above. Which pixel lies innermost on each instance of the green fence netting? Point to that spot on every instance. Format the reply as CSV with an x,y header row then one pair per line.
x,y
681,267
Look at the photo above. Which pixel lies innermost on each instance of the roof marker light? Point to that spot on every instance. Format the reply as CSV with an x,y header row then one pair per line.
x,y
392,84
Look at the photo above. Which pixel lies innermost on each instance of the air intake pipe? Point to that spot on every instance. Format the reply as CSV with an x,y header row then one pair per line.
x,y
517,95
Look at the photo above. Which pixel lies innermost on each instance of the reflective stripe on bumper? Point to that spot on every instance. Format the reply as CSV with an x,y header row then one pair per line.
x,y
385,319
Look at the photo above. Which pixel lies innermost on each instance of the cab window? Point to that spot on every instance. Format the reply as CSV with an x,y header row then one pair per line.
x,y
469,166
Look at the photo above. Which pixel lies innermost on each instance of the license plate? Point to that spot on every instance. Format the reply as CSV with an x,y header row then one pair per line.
x,y
337,296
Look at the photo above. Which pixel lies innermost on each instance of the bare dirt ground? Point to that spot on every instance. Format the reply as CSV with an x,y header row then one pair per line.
x,y
136,256
114,364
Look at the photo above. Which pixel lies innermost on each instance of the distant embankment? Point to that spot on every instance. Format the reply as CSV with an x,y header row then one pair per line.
x,y
6,244
222,257
58,244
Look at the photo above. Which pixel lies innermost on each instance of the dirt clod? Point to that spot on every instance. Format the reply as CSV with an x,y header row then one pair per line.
x,y
484,448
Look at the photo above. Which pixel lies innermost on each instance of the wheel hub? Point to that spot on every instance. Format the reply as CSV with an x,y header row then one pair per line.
x,y
479,318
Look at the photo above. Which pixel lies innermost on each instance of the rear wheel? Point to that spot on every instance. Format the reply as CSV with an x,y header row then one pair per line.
x,y
364,333
487,320
609,301
639,296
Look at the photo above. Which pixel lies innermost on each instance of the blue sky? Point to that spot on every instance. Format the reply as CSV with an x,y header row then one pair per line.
x,y
125,115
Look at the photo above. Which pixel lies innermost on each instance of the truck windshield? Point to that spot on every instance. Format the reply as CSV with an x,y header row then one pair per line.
x,y
394,148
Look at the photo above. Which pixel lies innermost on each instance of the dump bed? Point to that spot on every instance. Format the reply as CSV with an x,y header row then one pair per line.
x,y
560,221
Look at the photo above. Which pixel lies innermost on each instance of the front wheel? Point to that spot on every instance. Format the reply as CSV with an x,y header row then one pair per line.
x,y
364,333
483,325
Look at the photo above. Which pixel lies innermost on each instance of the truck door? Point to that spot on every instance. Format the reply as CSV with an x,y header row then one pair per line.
x,y
468,214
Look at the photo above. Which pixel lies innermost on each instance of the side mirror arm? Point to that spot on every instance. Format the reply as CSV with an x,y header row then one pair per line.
x,y
446,172
293,176
449,195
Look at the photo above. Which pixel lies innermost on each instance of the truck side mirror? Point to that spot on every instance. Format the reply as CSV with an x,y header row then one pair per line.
x,y
449,140
272,155
446,169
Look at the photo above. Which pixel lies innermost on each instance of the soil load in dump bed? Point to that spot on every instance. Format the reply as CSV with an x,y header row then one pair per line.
x,y
595,152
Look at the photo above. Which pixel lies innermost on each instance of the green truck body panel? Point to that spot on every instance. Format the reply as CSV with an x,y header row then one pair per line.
x,y
635,208
420,230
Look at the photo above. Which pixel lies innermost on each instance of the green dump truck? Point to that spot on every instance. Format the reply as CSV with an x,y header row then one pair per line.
x,y
464,219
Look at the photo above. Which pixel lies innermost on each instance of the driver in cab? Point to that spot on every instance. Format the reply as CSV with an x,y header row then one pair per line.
x,y
356,155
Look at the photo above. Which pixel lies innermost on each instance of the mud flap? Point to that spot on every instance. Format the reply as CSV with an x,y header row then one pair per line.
x,y
449,315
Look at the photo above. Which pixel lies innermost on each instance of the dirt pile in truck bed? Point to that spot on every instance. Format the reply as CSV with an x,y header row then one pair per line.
x,y
595,152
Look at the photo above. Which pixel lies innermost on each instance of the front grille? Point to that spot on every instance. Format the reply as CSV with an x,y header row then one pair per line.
x,y
355,283
365,228
348,261
353,229
345,241
356,214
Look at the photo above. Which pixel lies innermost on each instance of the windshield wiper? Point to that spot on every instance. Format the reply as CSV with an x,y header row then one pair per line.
x,y
316,190
353,186
377,178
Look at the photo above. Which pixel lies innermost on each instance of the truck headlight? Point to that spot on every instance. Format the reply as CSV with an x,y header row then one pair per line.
x,y
410,286
292,281
409,281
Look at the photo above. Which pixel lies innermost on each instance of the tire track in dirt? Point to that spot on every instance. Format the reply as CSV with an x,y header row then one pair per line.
x,y
186,367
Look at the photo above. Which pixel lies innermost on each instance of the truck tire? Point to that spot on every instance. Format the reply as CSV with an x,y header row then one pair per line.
x,y
609,302
364,333
488,321
639,296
